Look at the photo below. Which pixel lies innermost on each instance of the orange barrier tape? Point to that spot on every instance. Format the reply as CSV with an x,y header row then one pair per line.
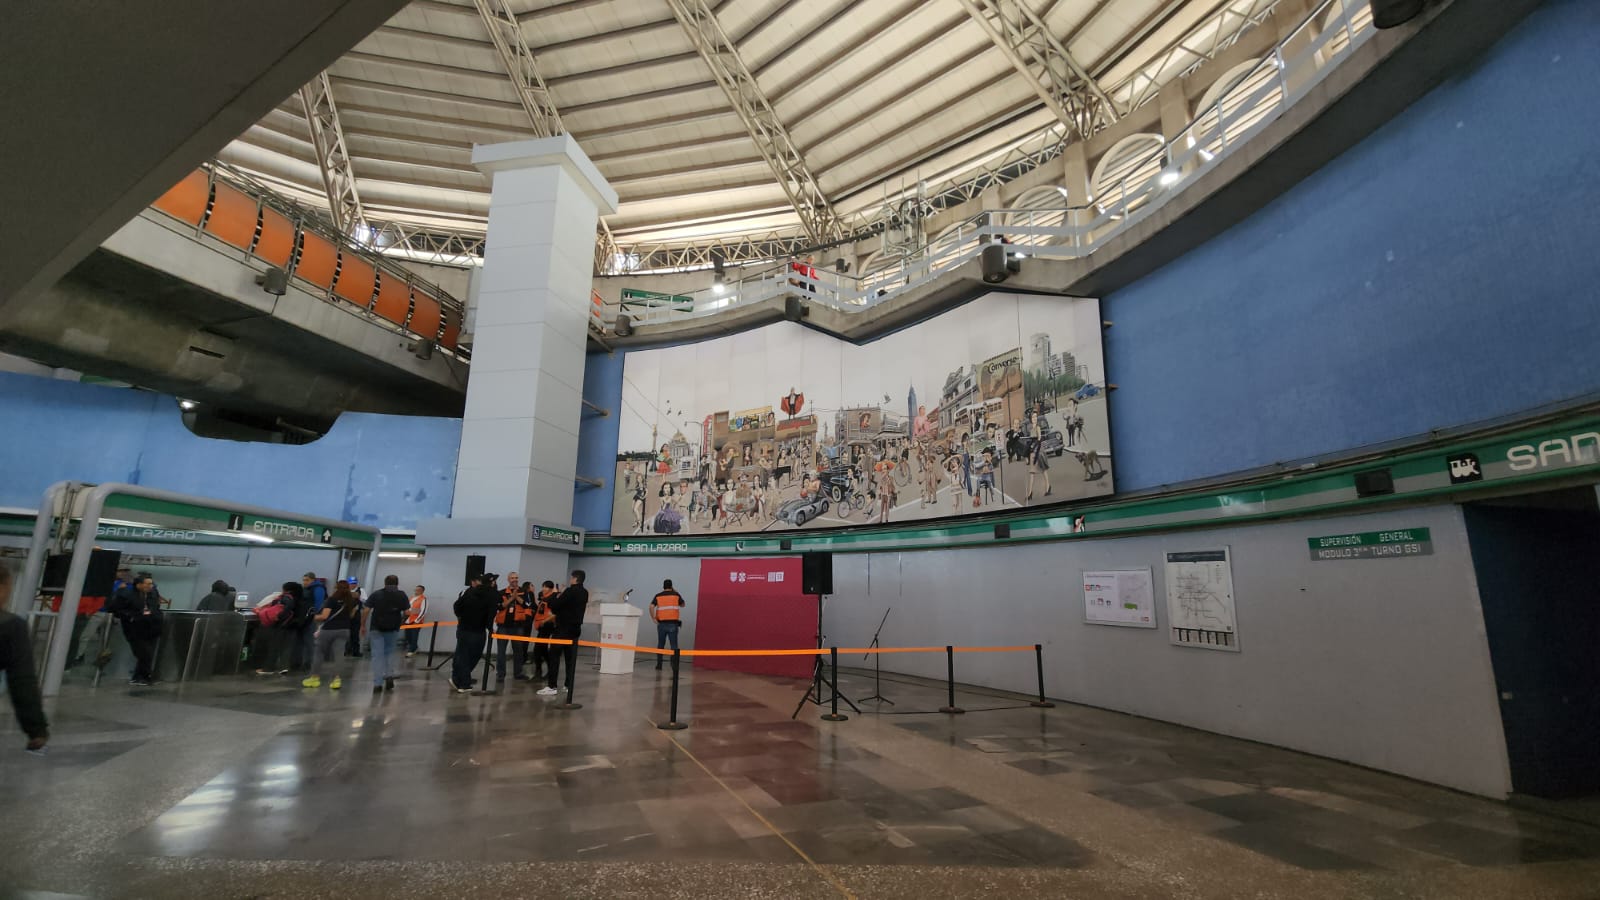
x,y
820,651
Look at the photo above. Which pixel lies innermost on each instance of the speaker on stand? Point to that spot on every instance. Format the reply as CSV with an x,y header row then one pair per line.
x,y
475,568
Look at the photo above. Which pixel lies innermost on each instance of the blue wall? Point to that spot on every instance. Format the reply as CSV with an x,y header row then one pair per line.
x,y
387,471
597,441
1442,272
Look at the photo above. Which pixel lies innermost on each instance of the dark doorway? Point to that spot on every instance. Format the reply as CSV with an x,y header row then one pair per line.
x,y
1537,558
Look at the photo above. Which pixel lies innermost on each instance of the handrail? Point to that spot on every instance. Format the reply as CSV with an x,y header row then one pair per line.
x,y
1073,232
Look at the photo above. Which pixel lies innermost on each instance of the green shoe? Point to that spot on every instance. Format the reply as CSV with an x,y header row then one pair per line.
x,y
312,682
336,683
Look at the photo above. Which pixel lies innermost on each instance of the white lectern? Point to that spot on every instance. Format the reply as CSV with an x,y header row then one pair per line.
x,y
619,624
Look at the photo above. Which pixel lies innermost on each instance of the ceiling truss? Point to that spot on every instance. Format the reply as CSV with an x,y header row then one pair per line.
x,y
772,139
1035,52
333,157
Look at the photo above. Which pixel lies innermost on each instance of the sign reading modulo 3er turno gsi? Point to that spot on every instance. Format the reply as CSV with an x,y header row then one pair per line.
x,y
1372,545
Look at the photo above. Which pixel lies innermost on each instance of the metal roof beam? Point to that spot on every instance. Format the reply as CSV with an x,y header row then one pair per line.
x,y
423,93
333,157
521,65
1035,52
771,137
842,54
515,132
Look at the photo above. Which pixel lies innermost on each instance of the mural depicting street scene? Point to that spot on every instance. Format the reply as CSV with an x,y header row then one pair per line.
x,y
998,404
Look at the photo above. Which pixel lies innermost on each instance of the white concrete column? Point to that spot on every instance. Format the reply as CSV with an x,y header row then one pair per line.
x,y
519,434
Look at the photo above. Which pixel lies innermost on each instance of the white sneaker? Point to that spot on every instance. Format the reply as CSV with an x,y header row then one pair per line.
x,y
548,692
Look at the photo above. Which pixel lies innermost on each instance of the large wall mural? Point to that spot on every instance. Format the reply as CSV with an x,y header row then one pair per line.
x,y
998,404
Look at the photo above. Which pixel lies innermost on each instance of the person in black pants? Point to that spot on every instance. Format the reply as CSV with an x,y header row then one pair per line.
x,y
16,663
138,607
544,626
474,610
569,609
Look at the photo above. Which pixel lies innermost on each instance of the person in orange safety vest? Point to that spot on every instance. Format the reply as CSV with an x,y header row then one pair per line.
x,y
667,609
514,618
416,616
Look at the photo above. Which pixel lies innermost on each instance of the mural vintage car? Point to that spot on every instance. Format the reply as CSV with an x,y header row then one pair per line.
x,y
802,510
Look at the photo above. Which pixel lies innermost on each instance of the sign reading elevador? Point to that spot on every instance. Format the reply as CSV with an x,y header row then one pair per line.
x,y
547,534
1372,545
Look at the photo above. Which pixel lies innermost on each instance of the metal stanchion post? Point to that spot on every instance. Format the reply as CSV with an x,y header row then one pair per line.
x,y
433,641
833,658
950,681
488,659
1038,661
672,723
572,679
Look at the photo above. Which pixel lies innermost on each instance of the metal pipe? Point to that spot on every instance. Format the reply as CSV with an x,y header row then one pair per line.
x,y
833,716
950,681
672,723
27,589
1038,661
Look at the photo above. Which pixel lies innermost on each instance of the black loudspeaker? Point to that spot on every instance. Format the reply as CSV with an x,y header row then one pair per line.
x,y
97,581
102,573
1394,13
1002,531
785,544
992,263
475,566
274,281
794,310
622,327
816,573
1374,483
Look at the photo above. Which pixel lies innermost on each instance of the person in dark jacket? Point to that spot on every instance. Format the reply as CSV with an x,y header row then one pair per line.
x,y
314,596
386,612
16,662
138,607
569,609
474,610
219,600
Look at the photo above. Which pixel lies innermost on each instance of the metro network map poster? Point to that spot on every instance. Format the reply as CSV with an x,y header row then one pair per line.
x,y
998,404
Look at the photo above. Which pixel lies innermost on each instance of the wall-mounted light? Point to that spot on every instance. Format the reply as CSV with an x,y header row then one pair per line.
x,y
719,283
1169,178
399,554
187,405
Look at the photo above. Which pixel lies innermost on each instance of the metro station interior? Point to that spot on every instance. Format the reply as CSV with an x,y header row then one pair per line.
x,y
764,448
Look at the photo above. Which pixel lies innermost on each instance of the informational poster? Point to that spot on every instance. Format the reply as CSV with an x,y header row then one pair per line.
x,y
1124,597
1200,610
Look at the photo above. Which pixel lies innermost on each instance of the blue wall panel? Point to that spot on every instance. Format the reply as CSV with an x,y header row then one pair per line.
x,y
597,441
1442,272
387,471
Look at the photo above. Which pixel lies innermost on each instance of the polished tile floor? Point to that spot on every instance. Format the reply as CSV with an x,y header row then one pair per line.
x,y
257,788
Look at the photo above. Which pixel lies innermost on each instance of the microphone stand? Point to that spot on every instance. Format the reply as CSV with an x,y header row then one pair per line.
x,y
877,683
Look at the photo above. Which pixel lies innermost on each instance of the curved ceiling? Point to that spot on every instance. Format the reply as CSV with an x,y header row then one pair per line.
x,y
873,95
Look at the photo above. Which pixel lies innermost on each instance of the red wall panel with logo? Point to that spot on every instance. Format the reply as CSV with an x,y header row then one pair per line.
x,y
754,604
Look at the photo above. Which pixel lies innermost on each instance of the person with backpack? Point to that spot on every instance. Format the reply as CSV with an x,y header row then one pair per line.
x,y
341,613
417,616
386,612
273,631
138,607
315,597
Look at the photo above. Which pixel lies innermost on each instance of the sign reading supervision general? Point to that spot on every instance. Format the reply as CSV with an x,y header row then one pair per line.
x,y
1372,545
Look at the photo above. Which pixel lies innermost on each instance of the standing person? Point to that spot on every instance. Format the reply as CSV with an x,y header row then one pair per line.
x,y
667,609
16,663
386,610
219,600
474,611
314,596
886,490
515,618
273,629
138,607
417,615
353,648
544,626
340,613
1038,465
569,609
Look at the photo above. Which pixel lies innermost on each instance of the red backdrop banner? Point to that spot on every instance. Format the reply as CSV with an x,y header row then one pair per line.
x,y
755,604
